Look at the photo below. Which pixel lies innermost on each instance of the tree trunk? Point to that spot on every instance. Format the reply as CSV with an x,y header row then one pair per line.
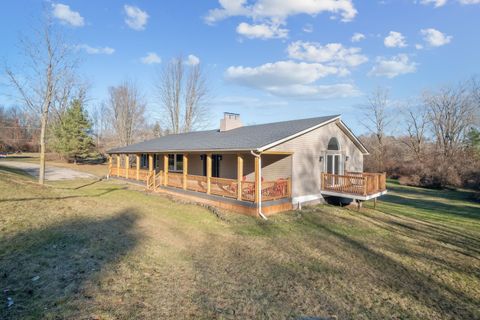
x,y
41,176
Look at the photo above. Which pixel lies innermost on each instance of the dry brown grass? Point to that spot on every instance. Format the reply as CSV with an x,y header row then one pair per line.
x,y
111,252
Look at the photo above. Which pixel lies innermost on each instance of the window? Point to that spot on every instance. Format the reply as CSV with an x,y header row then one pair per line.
x,y
144,161
175,162
333,144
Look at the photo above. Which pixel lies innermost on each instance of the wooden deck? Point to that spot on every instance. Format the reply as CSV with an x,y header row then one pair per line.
x,y
354,185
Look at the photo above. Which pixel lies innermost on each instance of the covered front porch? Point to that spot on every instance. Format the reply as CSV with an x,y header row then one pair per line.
x,y
246,182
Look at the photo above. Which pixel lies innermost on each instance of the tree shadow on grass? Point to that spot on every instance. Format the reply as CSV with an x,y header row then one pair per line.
x,y
416,229
438,296
44,271
327,273
466,211
103,192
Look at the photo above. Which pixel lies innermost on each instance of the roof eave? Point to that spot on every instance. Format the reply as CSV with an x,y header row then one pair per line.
x,y
354,138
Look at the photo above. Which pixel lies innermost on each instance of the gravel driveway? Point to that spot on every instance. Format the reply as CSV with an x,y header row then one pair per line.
x,y
51,172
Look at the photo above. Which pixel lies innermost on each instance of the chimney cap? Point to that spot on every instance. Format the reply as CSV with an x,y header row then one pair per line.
x,y
230,114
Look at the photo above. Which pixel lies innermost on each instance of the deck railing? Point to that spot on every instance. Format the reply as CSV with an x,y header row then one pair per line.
x,y
357,183
248,191
224,187
271,190
132,173
197,183
175,179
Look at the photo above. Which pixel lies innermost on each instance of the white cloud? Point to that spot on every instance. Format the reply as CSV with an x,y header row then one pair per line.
x,y
136,18
95,50
441,3
63,13
289,78
395,66
395,39
435,38
331,54
436,3
262,31
192,60
357,37
151,58
341,90
280,10
419,46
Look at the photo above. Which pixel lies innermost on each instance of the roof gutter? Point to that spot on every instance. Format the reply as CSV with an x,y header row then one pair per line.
x,y
259,205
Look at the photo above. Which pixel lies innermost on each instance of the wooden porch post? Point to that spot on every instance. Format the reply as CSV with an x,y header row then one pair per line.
x,y
209,172
150,162
118,165
165,169
239,176
257,179
137,162
185,170
127,164
109,165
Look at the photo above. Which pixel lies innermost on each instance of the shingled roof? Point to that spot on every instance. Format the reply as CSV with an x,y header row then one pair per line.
x,y
254,137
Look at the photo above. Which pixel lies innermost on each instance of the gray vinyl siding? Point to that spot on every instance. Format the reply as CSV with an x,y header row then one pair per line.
x,y
308,148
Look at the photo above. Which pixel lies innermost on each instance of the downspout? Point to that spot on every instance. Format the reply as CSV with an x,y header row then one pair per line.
x,y
259,206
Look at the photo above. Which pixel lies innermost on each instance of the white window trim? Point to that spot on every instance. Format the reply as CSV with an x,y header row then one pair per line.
x,y
341,165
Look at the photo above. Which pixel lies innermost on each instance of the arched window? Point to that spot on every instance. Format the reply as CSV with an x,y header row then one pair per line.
x,y
333,144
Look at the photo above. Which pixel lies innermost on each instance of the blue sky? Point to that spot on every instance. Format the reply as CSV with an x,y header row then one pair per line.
x,y
267,60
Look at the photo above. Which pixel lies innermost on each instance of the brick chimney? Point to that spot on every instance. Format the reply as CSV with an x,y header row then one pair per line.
x,y
230,121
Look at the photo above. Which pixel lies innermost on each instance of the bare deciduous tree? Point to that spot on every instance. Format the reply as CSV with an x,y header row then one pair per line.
x,y
182,93
451,112
126,109
48,64
416,120
376,121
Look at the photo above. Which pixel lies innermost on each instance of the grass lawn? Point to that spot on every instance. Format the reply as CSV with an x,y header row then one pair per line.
x,y
106,250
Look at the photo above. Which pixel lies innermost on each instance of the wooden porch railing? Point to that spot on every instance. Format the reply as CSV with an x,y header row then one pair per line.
x,y
197,183
356,183
271,190
175,180
132,173
224,187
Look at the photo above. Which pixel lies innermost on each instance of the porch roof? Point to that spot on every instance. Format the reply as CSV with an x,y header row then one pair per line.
x,y
255,137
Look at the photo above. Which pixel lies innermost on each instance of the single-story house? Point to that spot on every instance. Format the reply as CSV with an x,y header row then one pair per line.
x,y
256,169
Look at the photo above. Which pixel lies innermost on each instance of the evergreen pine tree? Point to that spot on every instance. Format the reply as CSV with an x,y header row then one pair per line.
x,y
72,134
